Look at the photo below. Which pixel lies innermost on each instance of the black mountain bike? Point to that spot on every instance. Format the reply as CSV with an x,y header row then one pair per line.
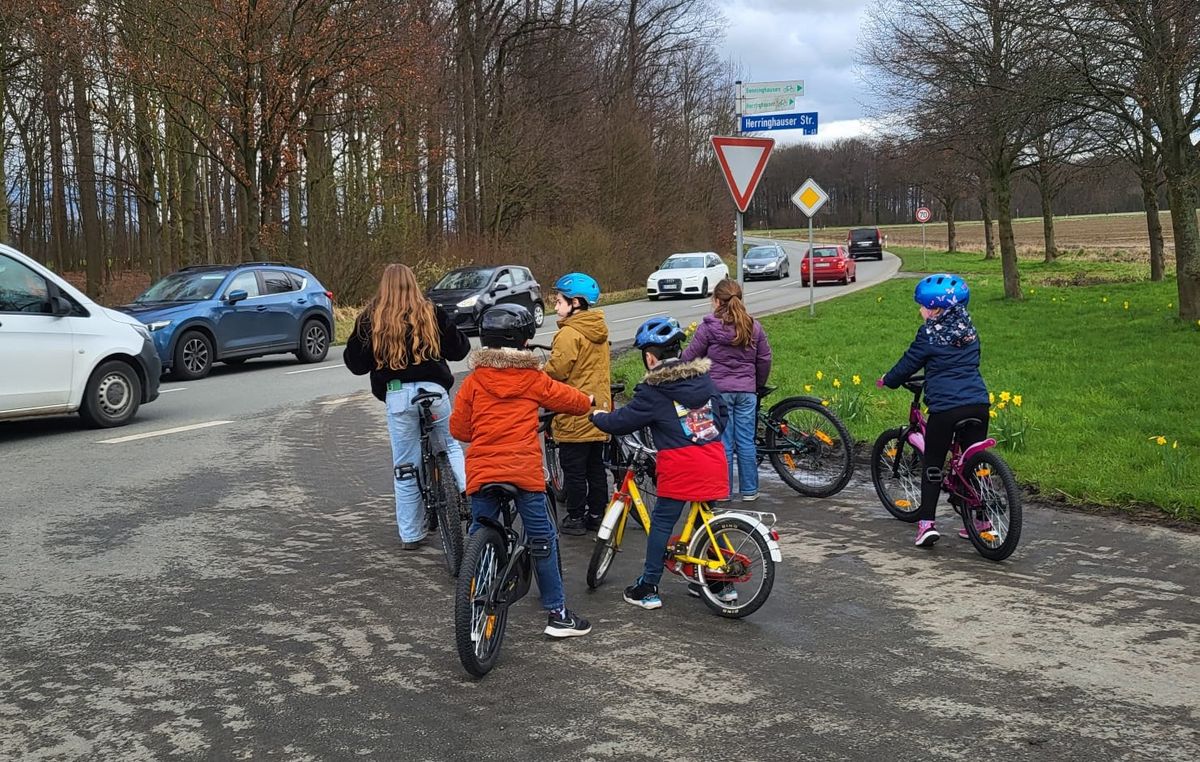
x,y
808,445
498,569
445,509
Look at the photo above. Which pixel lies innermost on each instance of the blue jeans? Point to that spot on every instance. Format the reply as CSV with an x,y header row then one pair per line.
x,y
662,520
404,426
738,438
539,529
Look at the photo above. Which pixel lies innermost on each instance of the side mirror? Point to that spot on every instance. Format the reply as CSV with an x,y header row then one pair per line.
x,y
499,287
235,296
60,306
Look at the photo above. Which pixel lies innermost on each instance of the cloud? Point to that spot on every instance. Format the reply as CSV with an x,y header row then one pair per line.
x,y
812,40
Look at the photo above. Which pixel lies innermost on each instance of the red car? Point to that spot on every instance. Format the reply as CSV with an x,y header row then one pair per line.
x,y
830,263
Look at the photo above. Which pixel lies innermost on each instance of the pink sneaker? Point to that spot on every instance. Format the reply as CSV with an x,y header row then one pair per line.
x,y
926,534
980,526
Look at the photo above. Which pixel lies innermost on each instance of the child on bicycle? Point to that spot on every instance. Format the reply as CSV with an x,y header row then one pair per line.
x,y
947,347
686,415
496,411
580,357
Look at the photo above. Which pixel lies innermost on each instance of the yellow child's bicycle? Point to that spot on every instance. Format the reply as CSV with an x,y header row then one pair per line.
x,y
729,555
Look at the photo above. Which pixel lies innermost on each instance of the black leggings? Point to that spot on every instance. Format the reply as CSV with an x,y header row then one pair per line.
x,y
939,431
586,479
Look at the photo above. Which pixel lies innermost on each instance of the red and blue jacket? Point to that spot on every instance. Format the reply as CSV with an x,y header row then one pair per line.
x,y
691,463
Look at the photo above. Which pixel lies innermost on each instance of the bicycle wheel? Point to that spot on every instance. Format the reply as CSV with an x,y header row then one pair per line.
x,y
448,511
899,491
744,585
814,454
478,628
989,476
555,476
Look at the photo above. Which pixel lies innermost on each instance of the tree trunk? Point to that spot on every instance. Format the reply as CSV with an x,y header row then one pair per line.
x,y
1182,195
1002,187
5,213
58,184
950,205
989,240
85,171
1047,216
147,207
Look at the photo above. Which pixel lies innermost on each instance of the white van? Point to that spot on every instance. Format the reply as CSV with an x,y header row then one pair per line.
x,y
60,352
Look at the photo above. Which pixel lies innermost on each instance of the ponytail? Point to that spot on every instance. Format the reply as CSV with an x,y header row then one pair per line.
x,y
732,310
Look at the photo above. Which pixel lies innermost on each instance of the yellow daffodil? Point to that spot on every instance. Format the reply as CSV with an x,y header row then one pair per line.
x,y
825,403
1005,396
1159,440
857,380
837,383
808,387
991,398
820,375
1105,300
1175,445
1002,405
992,414
1016,400
1127,304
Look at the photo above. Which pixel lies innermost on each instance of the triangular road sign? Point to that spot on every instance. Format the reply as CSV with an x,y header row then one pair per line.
x,y
742,162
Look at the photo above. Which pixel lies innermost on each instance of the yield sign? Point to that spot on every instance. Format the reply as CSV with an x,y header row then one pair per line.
x,y
742,161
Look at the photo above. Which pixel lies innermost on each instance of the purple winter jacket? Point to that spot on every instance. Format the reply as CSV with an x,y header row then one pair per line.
x,y
734,369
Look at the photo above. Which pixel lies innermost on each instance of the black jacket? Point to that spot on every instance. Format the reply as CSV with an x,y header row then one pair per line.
x,y
359,355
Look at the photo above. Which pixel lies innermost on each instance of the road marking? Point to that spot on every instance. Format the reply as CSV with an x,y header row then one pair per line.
x,y
163,432
311,370
342,400
174,389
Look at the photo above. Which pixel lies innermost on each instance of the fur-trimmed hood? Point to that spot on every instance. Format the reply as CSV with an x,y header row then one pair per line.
x,y
503,358
671,371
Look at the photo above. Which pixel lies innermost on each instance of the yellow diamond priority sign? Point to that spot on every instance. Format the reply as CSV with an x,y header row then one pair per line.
x,y
810,198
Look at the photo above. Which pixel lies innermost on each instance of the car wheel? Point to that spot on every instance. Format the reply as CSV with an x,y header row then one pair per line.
x,y
112,395
539,314
314,342
193,356
704,288
652,297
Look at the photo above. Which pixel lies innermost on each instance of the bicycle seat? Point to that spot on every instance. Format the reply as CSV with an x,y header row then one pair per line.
x,y
967,423
544,420
915,384
426,398
617,388
500,490
765,391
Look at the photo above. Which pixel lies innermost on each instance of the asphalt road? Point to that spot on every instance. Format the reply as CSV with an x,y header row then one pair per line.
x,y
237,591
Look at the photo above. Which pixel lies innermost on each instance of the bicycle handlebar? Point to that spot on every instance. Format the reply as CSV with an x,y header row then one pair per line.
x,y
538,346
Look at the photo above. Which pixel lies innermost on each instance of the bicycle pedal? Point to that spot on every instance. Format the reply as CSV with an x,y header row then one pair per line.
x,y
988,536
405,471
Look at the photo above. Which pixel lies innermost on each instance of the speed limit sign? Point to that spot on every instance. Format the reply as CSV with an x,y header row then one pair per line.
x,y
924,215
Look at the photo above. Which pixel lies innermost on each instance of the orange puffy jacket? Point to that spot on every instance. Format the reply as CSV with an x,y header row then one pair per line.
x,y
496,411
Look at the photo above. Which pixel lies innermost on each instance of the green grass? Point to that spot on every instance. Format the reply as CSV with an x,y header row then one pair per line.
x,y
1098,379
1071,268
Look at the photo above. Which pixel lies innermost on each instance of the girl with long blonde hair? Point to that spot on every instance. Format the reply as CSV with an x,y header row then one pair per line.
x,y
741,362
403,341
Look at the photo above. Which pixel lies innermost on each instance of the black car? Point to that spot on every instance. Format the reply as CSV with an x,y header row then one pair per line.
x,y
864,242
466,292
766,261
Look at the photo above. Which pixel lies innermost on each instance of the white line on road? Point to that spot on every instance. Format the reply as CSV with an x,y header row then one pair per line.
x,y
164,432
310,370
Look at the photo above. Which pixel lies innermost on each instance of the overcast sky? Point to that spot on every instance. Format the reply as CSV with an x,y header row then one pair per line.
x,y
812,40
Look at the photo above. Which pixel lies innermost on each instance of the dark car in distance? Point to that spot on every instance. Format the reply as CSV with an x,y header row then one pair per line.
x,y
864,242
466,292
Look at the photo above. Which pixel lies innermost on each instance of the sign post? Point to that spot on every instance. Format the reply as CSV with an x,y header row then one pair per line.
x,y
923,216
810,198
742,163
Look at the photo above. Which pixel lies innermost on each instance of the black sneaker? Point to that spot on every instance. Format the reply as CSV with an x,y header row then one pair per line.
x,y
592,523
567,625
643,594
574,526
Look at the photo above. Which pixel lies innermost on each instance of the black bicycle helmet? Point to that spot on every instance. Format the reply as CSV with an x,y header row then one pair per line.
x,y
506,325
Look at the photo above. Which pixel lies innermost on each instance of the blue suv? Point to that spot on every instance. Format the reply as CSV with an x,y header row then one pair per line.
x,y
230,313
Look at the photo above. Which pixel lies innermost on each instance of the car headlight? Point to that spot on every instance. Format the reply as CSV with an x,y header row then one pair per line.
x,y
142,330
470,301
158,325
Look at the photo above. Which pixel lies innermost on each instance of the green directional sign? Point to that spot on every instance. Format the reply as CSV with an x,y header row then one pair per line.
x,y
792,87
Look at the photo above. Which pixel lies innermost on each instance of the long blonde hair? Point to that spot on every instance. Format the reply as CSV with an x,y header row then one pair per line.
x,y
732,310
404,329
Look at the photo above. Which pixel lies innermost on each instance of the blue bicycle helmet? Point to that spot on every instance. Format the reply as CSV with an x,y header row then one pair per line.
x,y
941,291
658,332
579,285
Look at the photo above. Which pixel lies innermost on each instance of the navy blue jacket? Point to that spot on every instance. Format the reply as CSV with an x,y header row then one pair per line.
x,y
687,469
952,377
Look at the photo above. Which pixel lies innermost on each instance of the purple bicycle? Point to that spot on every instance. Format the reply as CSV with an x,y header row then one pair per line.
x,y
980,484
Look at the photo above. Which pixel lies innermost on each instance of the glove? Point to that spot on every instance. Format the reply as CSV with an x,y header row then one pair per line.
x,y
879,382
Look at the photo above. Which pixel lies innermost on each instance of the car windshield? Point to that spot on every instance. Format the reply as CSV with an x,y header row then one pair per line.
x,y
184,287
865,234
464,279
683,263
825,252
762,252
